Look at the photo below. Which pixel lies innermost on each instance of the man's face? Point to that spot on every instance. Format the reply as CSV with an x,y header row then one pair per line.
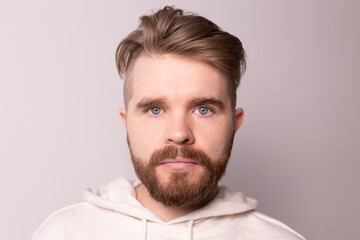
x,y
180,127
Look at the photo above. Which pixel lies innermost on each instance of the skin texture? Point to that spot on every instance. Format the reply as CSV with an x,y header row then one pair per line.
x,y
180,102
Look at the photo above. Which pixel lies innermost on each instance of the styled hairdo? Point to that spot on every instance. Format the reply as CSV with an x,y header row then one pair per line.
x,y
171,31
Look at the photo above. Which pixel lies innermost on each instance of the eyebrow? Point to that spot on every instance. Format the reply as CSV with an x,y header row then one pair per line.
x,y
206,101
147,103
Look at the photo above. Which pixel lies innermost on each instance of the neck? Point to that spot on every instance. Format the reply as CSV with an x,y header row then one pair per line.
x,y
165,212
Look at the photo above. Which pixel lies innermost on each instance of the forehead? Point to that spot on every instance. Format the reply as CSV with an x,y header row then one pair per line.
x,y
176,77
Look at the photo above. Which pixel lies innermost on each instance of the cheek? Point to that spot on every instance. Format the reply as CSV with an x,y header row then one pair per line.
x,y
143,138
214,139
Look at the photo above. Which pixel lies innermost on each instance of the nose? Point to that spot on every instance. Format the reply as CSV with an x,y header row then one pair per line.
x,y
179,131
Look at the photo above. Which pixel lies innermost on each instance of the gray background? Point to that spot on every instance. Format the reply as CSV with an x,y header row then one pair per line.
x,y
297,151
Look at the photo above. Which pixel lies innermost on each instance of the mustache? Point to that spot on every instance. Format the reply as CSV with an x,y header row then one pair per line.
x,y
172,152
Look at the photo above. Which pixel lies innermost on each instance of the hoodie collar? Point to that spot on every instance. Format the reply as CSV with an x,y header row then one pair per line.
x,y
119,195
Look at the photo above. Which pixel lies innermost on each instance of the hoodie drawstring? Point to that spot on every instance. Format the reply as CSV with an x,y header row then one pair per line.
x,y
190,229
144,221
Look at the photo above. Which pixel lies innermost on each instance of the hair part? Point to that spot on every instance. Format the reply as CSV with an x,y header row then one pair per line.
x,y
171,31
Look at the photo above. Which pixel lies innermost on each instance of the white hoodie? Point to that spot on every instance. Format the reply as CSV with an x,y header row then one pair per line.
x,y
113,212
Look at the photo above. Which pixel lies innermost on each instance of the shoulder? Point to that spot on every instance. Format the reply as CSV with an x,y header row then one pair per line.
x,y
66,222
266,227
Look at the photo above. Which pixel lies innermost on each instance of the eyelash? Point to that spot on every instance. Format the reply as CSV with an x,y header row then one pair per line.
x,y
148,110
212,111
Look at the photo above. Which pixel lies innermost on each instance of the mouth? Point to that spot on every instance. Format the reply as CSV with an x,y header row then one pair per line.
x,y
178,163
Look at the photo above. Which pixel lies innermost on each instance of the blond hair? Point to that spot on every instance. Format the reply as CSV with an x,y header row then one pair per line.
x,y
171,31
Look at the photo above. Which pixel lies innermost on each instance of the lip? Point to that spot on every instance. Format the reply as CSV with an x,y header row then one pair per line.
x,y
178,163
178,160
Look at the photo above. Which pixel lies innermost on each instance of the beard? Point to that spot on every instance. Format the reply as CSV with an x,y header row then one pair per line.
x,y
180,189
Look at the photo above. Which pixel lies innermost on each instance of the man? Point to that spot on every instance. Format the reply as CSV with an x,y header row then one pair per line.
x,y
181,73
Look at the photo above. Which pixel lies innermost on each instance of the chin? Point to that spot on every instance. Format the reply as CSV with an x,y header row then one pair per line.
x,y
179,176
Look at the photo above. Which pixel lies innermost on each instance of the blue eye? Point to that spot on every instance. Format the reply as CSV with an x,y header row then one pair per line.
x,y
203,111
155,110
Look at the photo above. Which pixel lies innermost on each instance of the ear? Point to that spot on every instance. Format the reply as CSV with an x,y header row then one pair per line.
x,y
122,112
239,118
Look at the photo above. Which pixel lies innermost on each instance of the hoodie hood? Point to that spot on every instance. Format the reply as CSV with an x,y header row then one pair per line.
x,y
119,195
112,212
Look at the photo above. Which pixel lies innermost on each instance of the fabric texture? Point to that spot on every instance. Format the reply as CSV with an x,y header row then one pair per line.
x,y
113,212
